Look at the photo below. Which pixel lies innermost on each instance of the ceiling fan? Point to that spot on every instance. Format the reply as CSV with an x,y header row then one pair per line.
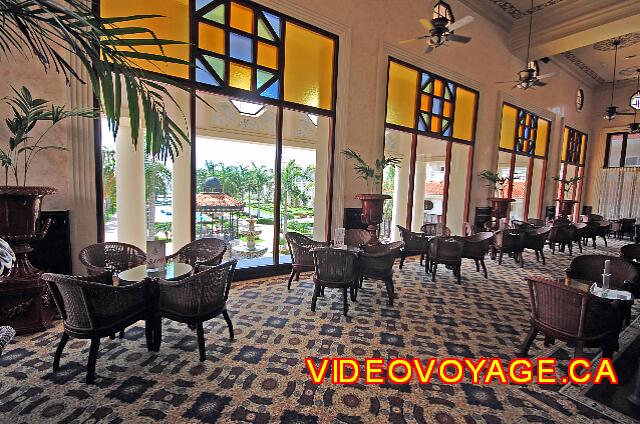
x,y
530,76
634,102
612,111
441,27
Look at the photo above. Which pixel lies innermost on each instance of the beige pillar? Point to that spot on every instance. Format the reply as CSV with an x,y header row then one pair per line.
x,y
401,183
322,163
457,187
418,196
181,188
130,189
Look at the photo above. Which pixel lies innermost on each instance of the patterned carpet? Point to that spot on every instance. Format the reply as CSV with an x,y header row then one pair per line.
x,y
260,377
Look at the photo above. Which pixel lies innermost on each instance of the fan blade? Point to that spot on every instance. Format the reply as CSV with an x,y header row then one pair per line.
x,y
550,75
505,82
426,23
625,113
429,49
458,38
411,40
461,22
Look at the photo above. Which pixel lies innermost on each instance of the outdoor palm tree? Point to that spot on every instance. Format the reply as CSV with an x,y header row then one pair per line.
x,y
295,182
157,182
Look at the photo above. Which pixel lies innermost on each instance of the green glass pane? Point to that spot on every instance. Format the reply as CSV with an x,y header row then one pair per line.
x,y
445,124
216,15
427,119
217,65
263,30
262,78
429,88
447,93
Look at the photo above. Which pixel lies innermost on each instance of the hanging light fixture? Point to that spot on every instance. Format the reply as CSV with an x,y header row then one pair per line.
x,y
634,102
612,111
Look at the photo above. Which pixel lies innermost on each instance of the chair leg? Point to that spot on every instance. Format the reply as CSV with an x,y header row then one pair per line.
x,y
434,269
402,258
500,258
293,274
421,259
148,333
570,249
578,351
544,261
200,334
580,245
345,301
484,268
521,259
298,276
225,314
353,293
314,299
537,256
459,272
56,359
121,335
526,344
389,284
93,356
605,241
157,334
477,265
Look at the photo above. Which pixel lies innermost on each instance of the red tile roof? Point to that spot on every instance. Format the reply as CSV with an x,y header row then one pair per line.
x,y
217,201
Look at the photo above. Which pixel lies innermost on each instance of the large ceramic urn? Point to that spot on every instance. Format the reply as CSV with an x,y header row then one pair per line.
x,y
372,211
20,224
500,206
566,207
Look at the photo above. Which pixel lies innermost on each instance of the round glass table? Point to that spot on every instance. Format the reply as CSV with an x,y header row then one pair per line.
x,y
172,271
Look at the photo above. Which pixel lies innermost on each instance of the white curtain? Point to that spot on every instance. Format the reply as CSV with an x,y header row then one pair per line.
x,y
619,193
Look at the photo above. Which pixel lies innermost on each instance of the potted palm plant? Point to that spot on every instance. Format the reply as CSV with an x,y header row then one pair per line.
x,y
499,201
372,201
567,204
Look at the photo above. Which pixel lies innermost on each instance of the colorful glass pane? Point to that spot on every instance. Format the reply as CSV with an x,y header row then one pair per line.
x,y
583,149
273,91
464,115
429,88
262,77
425,79
241,17
427,119
421,124
202,3
508,126
203,76
401,95
217,65
211,38
309,66
267,55
451,88
447,109
275,23
542,138
425,103
435,124
436,106
448,132
216,15
438,87
240,47
635,101
239,76
264,31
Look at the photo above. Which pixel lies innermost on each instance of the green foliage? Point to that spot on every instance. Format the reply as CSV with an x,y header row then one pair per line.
x,y
23,147
567,185
51,30
495,180
372,175
157,178
300,227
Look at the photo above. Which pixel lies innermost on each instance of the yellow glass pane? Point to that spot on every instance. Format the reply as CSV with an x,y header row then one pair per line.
x,y
508,127
239,76
267,55
241,18
565,140
542,138
308,69
464,118
435,124
401,95
583,150
447,109
438,87
211,38
425,103
172,25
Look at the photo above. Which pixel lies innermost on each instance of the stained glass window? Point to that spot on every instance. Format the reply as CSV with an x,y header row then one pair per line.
x,y
523,132
574,144
430,104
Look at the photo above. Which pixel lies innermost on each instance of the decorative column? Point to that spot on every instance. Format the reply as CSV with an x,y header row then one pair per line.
x,y
418,196
181,189
130,190
321,179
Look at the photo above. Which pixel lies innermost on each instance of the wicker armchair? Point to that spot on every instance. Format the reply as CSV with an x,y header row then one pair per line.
x,y
631,252
300,247
562,235
446,251
578,237
414,244
435,229
476,248
357,238
590,232
603,231
91,308
537,223
624,274
535,240
111,257
572,315
204,251
376,263
595,217
334,268
521,225
6,334
627,227
508,241
194,300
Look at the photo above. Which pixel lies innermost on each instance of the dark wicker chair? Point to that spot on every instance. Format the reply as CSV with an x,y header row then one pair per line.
x,y
92,308
414,244
476,247
204,251
573,316
6,335
590,232
536,240
630,252
603,231
435,229
595,217
302,259
194,300
376,263
446,251
521,225
111,257
508,241
357,238
579,234
627,227
537,223
562,235
334,268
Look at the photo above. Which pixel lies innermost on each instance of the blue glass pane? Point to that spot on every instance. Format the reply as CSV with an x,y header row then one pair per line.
x,y
526,132
273,91
427,119
275,23
448,132
240,47
421,125
425,79
436,106
202,75
202,3
452,87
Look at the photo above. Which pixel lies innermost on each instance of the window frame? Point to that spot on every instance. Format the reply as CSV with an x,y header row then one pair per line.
x,y
576,192
623,150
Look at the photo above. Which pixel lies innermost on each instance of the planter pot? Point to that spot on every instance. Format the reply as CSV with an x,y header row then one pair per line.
x,y
500,206
566,206
19,218
372,212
